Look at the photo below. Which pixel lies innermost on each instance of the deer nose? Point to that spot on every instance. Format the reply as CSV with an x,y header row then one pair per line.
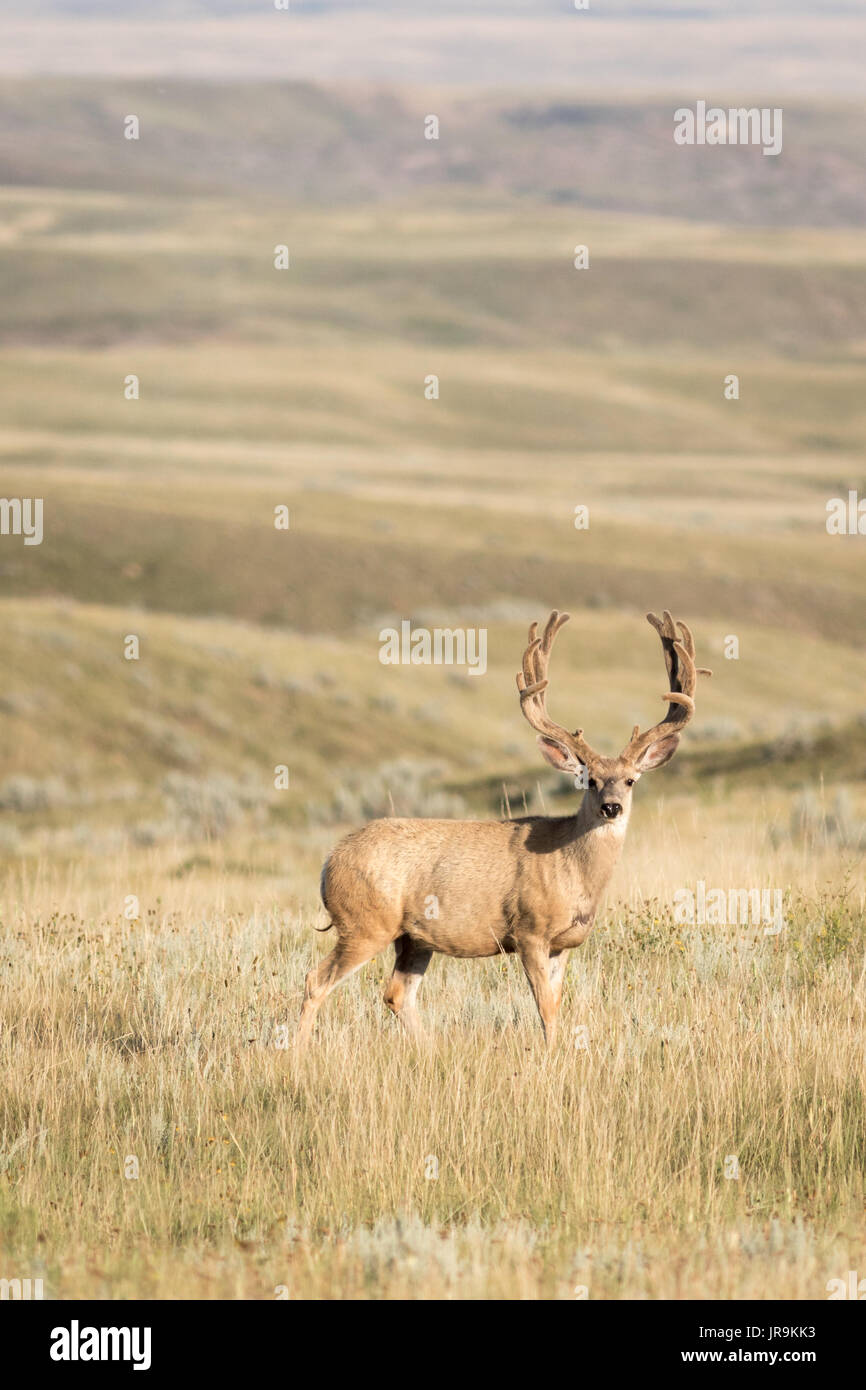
x,y
610,809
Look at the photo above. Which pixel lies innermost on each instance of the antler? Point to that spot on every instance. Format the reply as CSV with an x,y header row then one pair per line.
x,y
532,682
679,653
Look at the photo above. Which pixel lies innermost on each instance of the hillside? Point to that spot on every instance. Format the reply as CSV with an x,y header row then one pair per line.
x,y
462,429
259,647
350,144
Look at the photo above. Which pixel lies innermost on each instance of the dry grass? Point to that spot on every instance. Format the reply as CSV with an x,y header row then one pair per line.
x,y
160,1039
600,1166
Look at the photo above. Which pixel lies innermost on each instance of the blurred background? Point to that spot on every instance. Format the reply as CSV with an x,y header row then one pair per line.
x,y
601,387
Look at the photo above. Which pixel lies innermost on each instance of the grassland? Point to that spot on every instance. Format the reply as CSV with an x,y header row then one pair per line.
x,y
160,1041
160,1037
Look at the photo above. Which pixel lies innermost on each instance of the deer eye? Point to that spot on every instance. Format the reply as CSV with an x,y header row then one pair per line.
x,y
629,781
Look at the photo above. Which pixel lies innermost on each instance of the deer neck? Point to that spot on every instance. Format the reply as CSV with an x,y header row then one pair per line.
x,y
591,852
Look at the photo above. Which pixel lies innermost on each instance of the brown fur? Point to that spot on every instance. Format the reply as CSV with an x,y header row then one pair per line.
x,y
477,888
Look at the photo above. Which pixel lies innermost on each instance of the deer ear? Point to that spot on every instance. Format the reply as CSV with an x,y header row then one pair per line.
x,y
659,753
556,753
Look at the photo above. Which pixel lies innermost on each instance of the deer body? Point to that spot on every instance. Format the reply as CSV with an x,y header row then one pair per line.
x,y
469,889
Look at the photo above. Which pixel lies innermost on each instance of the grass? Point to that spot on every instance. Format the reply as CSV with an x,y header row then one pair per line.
x,y
163,1041
212,698
160,1037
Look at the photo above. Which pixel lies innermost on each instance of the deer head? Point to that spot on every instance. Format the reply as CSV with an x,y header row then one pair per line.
x,y
609,781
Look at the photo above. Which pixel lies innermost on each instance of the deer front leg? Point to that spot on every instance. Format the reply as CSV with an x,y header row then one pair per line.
x,y
535,959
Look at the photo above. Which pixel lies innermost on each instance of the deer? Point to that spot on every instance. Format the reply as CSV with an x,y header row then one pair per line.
x,y
528,886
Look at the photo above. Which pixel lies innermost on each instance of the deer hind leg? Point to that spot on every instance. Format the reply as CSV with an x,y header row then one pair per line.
x,y
347,956
535,959
556,968
411,960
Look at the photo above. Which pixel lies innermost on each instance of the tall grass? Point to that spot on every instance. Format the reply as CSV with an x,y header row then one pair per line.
x,y
469,1165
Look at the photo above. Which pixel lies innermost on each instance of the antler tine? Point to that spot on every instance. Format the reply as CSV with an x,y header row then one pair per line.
x,y
679,654
532,682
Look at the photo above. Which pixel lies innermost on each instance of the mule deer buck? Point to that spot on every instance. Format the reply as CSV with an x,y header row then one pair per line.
x,y
476,888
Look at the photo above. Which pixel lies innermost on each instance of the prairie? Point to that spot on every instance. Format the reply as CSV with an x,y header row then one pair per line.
x,y
699,1132
162,1141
